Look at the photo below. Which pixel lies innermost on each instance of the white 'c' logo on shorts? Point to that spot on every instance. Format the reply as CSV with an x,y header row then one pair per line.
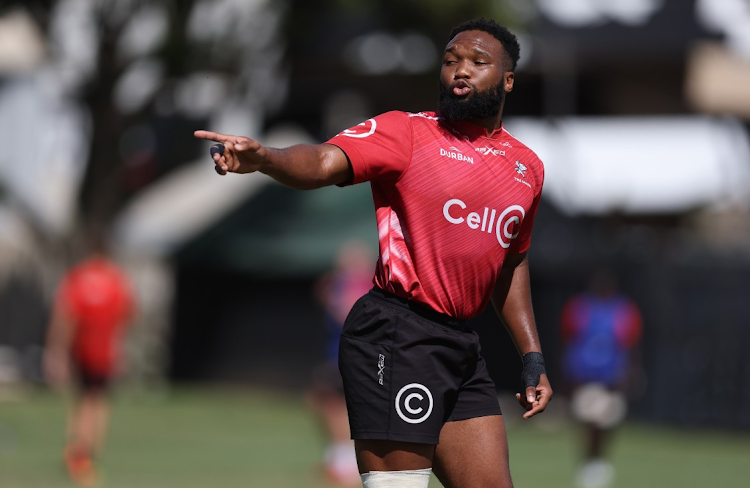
x,y
412,403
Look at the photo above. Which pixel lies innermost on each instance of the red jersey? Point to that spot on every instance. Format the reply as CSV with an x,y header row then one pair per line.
x,y
97,300
451,202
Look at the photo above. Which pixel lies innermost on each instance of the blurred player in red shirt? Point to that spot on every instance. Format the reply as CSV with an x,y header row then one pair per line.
x,y
93,305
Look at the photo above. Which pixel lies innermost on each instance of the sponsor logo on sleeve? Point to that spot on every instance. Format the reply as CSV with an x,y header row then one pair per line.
x,y
365,129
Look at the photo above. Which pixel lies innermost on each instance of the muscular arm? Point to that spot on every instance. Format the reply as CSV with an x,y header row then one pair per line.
x,y
304,166
511,299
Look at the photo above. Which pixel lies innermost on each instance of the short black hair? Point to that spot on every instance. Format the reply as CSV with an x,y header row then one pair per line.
x,y
502,34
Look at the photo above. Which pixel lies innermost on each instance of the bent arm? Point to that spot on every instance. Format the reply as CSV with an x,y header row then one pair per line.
x,y
511,298
303,166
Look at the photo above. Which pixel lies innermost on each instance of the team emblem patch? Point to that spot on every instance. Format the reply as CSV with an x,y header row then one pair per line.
x,y
521,169
417,403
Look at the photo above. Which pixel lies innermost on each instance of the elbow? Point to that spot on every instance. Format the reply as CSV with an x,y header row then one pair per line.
x,y
309,184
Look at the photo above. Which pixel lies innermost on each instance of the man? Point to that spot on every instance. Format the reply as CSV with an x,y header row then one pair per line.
x,y
455,197
601,329
93,305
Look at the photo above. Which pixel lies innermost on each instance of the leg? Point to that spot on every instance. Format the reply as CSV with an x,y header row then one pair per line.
x,y
473,453
378,455
596,439
91,421
100,421
87,426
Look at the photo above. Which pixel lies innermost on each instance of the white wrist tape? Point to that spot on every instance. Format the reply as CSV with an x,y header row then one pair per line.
x,y
415,478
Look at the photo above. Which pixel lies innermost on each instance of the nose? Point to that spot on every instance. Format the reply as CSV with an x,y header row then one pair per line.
x,y
462,70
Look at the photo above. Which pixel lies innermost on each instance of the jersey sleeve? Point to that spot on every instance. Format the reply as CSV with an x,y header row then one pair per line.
x,y
379,148
523,241
630,327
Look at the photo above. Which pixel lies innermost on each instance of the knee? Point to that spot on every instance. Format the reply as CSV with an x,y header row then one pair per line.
x,y
412,478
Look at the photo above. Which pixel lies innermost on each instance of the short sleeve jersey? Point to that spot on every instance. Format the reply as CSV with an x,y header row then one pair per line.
x,y
598,334
97,299
451,202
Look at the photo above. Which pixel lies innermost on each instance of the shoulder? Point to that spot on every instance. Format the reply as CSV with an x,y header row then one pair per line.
x,y
522,149
410,118
394,116
424,116
525,155
387,123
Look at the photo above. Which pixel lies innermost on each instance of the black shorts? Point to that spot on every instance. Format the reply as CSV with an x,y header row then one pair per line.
x,y
408,369
91,380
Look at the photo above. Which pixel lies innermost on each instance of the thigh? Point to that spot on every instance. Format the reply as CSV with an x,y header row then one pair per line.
x,y
382,455
473,453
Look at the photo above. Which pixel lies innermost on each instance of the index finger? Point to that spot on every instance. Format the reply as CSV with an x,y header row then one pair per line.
x,y
213,136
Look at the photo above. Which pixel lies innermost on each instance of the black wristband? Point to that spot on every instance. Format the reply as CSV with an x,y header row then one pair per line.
x,y
533,368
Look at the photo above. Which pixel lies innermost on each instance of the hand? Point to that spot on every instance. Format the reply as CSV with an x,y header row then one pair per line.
x,y
240,155
536,398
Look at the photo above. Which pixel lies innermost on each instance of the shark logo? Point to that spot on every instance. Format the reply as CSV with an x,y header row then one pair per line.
x,y
521,169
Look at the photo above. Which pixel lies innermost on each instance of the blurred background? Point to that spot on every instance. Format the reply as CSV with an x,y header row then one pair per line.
x,y
640,110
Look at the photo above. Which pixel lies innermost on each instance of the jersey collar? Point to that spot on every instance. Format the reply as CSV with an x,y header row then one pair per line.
x,y
475,131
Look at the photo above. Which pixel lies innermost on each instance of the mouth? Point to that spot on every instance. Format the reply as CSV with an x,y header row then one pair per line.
x,y
461,88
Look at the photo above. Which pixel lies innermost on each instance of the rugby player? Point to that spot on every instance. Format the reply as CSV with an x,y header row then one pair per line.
x,y
94,304
455,196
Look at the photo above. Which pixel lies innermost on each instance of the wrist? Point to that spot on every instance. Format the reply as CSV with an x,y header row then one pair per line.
x,y
533,368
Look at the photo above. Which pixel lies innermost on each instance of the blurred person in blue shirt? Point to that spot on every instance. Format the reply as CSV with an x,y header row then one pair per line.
x,y
600,330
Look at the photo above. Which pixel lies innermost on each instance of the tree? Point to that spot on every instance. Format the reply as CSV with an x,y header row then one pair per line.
x,y
148,72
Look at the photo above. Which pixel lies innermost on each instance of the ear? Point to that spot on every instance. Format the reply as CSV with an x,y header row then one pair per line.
x,y
508,81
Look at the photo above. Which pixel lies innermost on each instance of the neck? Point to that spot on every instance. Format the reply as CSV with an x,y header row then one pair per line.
x,y
490,124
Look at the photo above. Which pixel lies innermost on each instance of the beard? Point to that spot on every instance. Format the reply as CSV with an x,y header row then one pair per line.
x,y
480,105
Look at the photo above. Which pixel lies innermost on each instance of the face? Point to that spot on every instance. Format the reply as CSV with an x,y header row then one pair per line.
x,y
473,78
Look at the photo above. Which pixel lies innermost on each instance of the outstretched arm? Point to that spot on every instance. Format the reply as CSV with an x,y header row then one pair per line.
x,y
303,166
511,298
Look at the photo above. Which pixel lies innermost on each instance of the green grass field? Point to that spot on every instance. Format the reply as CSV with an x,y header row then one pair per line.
x,y
219,438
